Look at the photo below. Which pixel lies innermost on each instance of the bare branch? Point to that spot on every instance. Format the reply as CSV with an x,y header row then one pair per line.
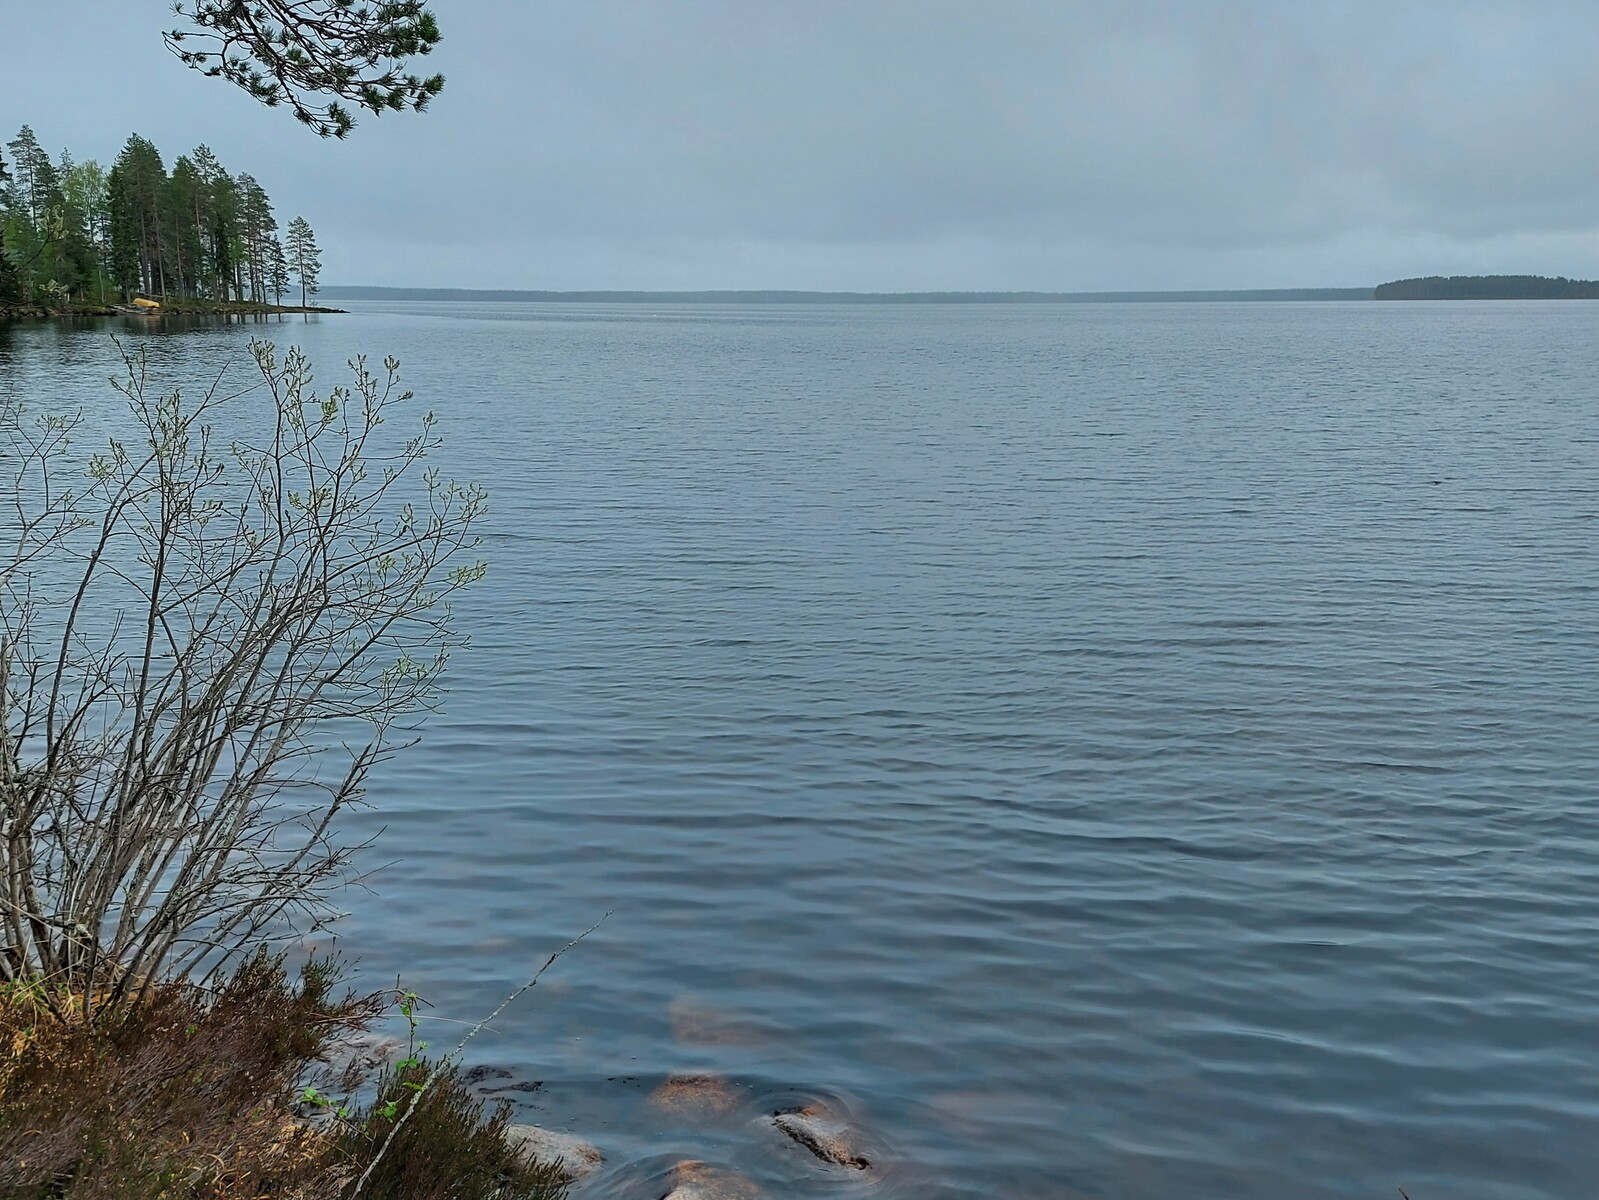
x,y
205,647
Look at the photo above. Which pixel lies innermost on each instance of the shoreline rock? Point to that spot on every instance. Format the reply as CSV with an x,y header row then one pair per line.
x,y
578,1159
42,312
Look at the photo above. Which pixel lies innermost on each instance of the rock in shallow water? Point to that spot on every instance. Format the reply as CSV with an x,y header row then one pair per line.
x,y
696,1096
826,1134
577,1157
695,1180
698,1024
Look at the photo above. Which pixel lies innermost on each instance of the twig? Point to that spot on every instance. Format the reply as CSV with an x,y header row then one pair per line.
x,y
438,1069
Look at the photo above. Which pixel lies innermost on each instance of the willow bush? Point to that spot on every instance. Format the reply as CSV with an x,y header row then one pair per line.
x,y
209,634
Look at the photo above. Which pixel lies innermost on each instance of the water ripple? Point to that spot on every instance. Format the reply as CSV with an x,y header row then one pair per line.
x,y
1107,751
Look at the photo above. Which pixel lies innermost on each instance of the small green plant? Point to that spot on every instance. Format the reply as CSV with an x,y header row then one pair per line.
x,y
452,1148
408,1004
313,1098
444,1073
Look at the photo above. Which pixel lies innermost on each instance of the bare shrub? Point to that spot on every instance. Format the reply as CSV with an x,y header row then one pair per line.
x,y
206,643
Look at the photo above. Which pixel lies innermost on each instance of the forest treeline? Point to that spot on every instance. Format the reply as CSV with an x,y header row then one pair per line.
x,y
1489,287
79,233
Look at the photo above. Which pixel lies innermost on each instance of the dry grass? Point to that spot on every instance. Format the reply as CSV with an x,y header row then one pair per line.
x,y
193,1096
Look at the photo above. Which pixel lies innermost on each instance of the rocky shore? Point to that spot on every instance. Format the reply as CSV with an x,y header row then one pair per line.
x,y
827,1139
183,308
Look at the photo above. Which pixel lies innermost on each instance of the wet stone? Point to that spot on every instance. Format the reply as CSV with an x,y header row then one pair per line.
x,y
694,1180
527,1087
577,1157
696,1095
826,1134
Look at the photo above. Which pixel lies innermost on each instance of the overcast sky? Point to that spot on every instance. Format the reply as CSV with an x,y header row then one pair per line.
x,y
888,145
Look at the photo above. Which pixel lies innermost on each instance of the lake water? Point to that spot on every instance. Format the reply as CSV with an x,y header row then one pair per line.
x,y
1115,751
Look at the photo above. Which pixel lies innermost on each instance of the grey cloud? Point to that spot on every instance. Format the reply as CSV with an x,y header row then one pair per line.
x,y
819,143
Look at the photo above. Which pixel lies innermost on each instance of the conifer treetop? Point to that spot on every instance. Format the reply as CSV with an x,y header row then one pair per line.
x,y
316,56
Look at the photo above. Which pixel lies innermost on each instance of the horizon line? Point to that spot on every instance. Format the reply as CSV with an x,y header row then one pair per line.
x,y
801,295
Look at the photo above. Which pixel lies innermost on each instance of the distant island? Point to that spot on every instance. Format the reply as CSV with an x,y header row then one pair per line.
x,y
1489,287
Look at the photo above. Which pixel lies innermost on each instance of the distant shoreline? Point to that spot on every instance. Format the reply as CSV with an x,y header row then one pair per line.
x,y
1432,287
495,295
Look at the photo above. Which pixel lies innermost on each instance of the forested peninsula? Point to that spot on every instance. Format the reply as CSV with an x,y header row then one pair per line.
x,y
78,238
1489,287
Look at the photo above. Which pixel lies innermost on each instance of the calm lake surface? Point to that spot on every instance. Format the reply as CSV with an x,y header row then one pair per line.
x,y
1116,751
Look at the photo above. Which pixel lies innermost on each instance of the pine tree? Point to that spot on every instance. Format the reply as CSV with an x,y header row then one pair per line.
x,y
10,285
277,277
124,235
294,51
219,209
186,216
305,259
35,218
257,226
32,175
139,239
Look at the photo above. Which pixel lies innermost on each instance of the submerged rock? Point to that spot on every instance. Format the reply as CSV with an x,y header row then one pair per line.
x,y
698,1024
577,1157
695,1180
828,1135
696,1095
491,1081
978,1111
